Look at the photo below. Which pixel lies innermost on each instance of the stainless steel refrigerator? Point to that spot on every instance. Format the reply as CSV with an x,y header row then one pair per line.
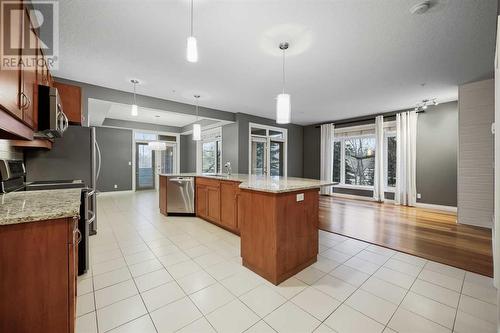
x,y
74,156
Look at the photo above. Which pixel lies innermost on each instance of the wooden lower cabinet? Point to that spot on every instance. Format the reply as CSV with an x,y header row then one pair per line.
x,y
213,203
38,265
216,201
229,192
201,201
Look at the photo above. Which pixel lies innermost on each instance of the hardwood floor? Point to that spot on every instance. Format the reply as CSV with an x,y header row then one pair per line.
x,y
425,233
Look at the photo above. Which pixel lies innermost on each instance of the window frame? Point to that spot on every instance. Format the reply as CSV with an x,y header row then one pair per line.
x,y
207,136
342,183
268,140
387,135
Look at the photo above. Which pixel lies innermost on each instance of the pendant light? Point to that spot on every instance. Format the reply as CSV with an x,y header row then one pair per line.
x,y
157,145
192,46
134,112
283,106
196,126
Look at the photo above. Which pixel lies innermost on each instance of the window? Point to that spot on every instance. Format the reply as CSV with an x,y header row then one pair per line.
x,y
359,161
209,151
140,136
390,160
354,160
211,157
267,150
337,146
354,151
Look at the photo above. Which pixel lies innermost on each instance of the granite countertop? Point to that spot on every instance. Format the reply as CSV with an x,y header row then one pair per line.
x,y
272,184
31,206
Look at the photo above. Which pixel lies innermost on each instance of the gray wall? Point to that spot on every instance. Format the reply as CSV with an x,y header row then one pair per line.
x,y
187,154
140,126
437,140
312,142
437,137
295,143
230,146
116,153
125,97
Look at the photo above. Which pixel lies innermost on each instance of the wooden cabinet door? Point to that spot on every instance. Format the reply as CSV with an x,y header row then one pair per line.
x,y
73,239
228,204
71,99
34,277
28,71
214,203
201,201
10,80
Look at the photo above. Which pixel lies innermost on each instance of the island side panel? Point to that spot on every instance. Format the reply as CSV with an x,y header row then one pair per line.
x,y
297,229
163,195
257,222
279,235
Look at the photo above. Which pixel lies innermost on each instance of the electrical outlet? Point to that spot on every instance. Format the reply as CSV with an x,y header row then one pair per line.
x,y
300,197
116,186
129,163
419,196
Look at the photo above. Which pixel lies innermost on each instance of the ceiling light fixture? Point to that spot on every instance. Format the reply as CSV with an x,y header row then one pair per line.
x,y
283,105
196,126
157,145
421,106
192,46
134,111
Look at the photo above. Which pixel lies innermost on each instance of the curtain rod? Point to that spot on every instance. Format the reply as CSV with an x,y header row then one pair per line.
x,y
363,118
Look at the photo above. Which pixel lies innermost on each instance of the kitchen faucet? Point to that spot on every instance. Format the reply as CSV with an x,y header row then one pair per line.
x,y
228,168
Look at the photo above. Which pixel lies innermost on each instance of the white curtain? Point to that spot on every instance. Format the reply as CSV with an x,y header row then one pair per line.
x,y
326,159
379,184
406,138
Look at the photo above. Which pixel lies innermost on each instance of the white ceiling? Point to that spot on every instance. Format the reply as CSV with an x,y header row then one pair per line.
x,y
347,57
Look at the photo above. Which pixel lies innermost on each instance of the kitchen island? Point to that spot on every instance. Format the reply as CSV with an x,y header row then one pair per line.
x,y
276,218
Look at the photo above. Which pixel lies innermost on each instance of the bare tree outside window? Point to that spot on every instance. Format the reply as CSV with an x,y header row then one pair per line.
x,y
360,161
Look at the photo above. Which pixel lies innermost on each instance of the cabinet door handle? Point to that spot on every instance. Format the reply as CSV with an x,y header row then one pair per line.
x,y
79,236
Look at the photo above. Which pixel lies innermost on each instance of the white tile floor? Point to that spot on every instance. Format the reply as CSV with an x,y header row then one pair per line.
x,y
150,273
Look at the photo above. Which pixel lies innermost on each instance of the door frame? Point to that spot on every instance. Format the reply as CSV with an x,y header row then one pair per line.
x,y
177,157
268,145
153,167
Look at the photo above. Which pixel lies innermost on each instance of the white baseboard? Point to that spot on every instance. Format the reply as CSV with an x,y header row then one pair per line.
x,y
450,209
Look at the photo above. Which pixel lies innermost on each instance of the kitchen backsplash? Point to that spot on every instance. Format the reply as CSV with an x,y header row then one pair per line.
x,y
8,152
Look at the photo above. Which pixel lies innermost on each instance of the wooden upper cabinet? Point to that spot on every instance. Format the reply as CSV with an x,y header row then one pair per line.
x,y
29,91
229,204
71,98
10,79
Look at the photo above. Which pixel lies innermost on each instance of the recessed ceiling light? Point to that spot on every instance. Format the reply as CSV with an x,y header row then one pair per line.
x,y
420,7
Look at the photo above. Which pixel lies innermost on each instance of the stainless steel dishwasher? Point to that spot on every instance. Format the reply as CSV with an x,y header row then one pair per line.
x,y
180,195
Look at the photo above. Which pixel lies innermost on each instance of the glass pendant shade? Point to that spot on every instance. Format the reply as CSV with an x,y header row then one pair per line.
x,y
196,132
157,145
134,111
283,109
192,49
